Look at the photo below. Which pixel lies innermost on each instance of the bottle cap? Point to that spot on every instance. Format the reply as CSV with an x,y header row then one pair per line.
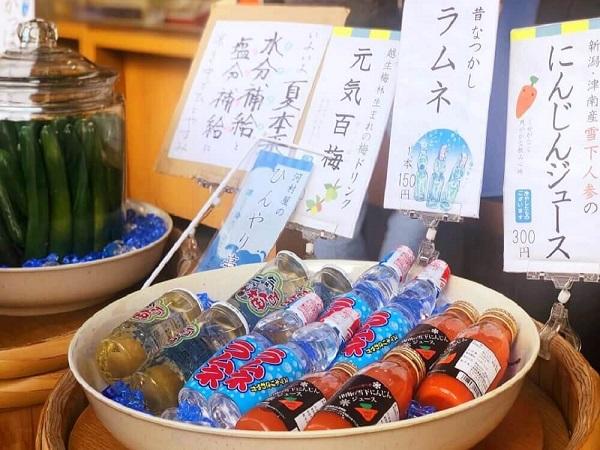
x,y
347,368
400,260
466,308
503,316
346,321
438,272
411,356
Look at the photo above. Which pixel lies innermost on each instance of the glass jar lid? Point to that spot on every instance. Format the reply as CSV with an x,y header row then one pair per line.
x,y
39,76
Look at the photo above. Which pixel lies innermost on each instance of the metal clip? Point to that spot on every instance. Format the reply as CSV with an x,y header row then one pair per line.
x,y
427,251
190,256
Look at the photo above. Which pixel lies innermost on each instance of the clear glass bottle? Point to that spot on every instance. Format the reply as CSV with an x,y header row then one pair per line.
x,y
421,177
453,185
436,184
311,349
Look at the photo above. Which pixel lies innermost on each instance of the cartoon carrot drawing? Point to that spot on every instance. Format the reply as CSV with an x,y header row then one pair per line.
x,y
526,97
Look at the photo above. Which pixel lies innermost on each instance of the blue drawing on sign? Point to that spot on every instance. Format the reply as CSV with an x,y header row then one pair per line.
x,y
443,160
523,206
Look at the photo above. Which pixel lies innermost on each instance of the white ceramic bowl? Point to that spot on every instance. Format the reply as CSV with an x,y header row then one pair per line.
x,y
456,428
57,289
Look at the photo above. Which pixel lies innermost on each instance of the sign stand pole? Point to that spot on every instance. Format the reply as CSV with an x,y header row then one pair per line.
x,y
427,250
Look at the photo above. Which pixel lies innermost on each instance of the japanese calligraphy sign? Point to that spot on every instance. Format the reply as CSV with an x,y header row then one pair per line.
x,y
441,106
253,81
13,12
345,122
266,200
552,172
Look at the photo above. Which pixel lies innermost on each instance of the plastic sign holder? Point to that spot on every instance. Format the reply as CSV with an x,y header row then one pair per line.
x,y
558,322
427,251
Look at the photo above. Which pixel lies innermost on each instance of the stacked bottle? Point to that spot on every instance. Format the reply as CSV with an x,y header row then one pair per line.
x,y
311,349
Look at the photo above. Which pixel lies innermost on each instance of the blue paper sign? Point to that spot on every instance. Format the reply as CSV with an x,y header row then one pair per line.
x,y
523,205
263,206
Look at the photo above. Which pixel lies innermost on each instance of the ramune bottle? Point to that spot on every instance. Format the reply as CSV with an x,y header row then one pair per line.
x,y
421,177
437,179
130,344
453,185
376,286
161,378
388,325
276,328
311,349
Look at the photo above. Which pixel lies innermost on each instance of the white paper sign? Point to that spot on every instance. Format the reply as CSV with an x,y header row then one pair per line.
x,y
253,81
552,172
13,12
441,107
345,122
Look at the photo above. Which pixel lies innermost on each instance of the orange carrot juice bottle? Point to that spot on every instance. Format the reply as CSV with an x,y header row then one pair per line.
x,y
291,408
473,364
380,393
431,337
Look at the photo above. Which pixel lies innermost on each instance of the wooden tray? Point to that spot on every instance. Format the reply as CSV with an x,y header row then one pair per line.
x,y
559,408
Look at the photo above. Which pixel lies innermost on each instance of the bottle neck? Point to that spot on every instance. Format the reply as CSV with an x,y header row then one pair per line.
x,y
402,361
499,325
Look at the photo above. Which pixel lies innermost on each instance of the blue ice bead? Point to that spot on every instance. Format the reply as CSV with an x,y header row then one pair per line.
x,y
417,410
34,262
69,259
130,215
114,248
205,301
52,257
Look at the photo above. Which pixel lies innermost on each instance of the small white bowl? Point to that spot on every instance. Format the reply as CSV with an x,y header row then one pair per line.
x,y
70,287
456,428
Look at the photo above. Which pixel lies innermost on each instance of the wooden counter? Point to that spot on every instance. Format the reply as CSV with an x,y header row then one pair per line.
x,y
153,63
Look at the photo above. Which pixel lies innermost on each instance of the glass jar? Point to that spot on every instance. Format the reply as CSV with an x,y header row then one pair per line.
x,y
62,161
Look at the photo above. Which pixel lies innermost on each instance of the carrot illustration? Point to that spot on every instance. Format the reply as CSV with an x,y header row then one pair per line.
x,y
526,97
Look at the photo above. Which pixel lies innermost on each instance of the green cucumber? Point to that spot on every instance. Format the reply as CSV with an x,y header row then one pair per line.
x,y
61,232
9,214
8,253
36,187
12,175
83,219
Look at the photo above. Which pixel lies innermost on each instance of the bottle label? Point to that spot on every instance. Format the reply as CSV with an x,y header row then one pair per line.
x,y
382,330
350,300
260,296
438,272
154,312
428,341
207,379
301,292
400,260
364,401
189,331
345,321
307,307
296,404
264,375
471,363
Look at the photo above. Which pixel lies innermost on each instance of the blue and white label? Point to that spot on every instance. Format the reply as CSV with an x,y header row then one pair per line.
x,y
523,205
267,373
207,379
350,300
380,333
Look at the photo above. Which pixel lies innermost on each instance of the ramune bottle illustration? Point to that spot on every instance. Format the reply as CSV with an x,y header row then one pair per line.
x,y
311,349
130,344
388,325
377,285
453,185
161,378
276,328
421,181
436,184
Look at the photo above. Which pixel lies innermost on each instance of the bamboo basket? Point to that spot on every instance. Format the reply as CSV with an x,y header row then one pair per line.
x,y
559,408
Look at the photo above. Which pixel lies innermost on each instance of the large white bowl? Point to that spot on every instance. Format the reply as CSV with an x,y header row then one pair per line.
x,y
57,289
456,428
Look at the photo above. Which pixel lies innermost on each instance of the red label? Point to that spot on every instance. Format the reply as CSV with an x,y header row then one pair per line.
x,y
366,335
254,370
153,312
219,367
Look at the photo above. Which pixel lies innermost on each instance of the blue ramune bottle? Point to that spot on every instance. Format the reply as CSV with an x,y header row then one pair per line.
x,y
437,179
388,325
453,185
276,328
377,285
421,181
311,349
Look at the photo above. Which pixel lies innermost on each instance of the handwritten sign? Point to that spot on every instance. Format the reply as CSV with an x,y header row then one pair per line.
x,y
552,174
345,122
13,12
440,111
264,204
253,81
